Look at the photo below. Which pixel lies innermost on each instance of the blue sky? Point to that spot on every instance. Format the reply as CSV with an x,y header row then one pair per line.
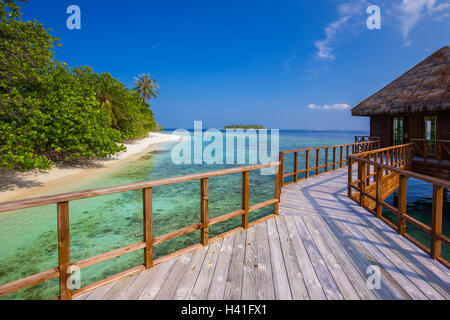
x,y
282,64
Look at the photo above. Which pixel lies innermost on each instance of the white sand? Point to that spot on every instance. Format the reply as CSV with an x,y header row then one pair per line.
x,y
17,186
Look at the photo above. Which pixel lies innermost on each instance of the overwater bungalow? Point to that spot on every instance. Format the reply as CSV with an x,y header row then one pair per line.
x,y
416,108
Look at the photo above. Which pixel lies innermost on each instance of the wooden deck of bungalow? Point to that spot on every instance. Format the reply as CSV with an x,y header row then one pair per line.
x,y
320,246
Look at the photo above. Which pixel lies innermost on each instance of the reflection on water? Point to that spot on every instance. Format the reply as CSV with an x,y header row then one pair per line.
x,y
101,224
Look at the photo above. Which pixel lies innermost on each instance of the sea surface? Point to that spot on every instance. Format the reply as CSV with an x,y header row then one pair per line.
x,y
28,237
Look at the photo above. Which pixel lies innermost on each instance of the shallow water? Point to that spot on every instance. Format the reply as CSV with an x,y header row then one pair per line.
x,y
29,239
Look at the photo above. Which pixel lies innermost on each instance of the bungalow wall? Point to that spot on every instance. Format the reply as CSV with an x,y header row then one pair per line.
x,y
381,126
443,126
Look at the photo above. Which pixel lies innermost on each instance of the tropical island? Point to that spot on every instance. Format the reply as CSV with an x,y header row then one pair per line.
x,y
244,126
51,113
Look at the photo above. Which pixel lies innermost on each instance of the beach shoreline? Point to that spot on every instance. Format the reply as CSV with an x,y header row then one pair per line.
x,y
17,185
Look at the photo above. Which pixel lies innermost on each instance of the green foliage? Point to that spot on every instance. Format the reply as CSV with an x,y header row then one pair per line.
x,y
145,87
50,113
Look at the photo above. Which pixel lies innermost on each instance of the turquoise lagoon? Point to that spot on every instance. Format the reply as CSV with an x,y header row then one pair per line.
x,y
28,237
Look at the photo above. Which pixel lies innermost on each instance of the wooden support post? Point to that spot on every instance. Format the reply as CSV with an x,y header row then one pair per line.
x,y
281,169
425,151
334,158
148,227
307,164
277,191
204,199
326,159
317,161
295,166
436,221
362,183
245,197
368,172
402,204
350,177
396,158
347,153
341,158
379,192
64,250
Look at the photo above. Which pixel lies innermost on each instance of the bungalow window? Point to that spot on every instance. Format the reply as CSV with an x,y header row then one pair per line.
x,y
430,127
398,131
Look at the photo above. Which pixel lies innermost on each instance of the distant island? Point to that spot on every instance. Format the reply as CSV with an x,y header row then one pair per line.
x,y
243,126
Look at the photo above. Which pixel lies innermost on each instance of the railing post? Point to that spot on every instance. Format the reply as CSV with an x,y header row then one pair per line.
x,y
347,153
379,192
295,166
307,164
326,159
245,198
204,199
341,158
148,227
362,183
350,177
281,156
334,158
402,204
436,221
64,250
317,161
277,191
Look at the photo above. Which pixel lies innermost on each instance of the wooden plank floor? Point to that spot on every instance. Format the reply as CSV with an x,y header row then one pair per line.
x,y
320,247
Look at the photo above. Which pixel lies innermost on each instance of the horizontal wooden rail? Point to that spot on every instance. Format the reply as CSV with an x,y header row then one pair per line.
x,y
383,171
109,255
77,195
29,281
432,149
225,217
344,149
177,233
62,201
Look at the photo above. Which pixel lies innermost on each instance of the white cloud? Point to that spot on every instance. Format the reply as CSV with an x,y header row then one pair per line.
x,y
405,13
412,11
347,10
323,46
336,106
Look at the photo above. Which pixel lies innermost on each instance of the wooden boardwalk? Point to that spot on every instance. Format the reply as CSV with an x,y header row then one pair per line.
x,y
320,247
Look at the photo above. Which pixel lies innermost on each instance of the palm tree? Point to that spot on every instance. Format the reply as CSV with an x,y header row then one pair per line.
x,y
145,87
108,94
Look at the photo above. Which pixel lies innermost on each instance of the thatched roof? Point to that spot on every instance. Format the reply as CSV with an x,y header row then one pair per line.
x,y
424,88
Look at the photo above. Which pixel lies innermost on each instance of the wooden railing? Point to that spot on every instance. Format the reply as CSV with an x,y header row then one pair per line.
x,y
344,151
62,201
432,149
366,139
383,171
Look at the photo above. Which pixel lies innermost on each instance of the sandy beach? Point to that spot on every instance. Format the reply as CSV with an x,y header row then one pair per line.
x,y
16,185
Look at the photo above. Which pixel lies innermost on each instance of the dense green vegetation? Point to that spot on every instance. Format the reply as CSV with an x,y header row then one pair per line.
x,y
51,113
244,126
